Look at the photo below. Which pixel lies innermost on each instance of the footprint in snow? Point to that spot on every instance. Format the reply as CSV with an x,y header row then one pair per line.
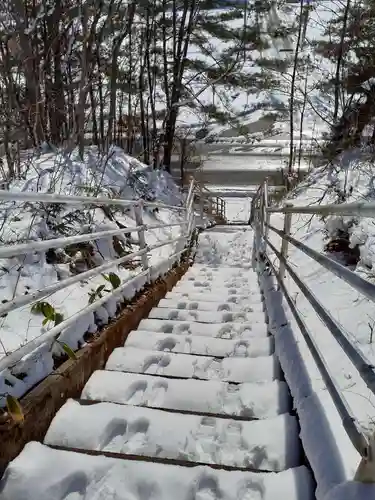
x,y
207,489
251,490
240,349
136,436
205,440
232,445
157,395
135,393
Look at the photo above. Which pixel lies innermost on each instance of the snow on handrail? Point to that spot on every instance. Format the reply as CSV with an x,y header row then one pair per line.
x,y
362,209
34,296
79,200
361,285
38,246
260,221
350,423
364,366
52,335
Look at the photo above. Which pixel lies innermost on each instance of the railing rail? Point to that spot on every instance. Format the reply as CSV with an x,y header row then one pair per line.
x,y
260,221
179,244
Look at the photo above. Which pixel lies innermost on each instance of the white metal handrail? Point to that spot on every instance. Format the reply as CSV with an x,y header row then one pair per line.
x,y
260,220
58,199
187,226
8,251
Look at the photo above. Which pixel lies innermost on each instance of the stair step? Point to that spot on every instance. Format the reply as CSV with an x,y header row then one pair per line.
x,y
208,346
252,400
209,287
219,330
228,282
131,359
210,317
270,444
179,462
43,473
202,295
201,269
202,305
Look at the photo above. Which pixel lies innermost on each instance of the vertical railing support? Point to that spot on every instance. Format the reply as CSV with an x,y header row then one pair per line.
x,y
190,217
201,203
284,243
266,214
138,212
365,472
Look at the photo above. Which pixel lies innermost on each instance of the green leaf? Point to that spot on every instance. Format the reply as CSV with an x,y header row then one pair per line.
x,y
67,350
45,321
92,297
58,318
47,310
14,409
100,289
105,277
114,280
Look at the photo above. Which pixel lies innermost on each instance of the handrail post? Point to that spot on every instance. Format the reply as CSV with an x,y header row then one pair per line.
x,y
284,242
138,212
365,472
201,203
266,215
190,216
190,192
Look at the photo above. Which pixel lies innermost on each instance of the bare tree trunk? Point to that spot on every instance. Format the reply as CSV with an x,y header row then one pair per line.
x,y
114,70
190,10
292,89
339,62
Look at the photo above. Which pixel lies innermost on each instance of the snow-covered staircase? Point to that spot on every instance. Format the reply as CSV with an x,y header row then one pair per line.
x,y
197,384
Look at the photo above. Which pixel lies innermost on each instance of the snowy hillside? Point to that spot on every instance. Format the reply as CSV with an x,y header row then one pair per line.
x,y
116,175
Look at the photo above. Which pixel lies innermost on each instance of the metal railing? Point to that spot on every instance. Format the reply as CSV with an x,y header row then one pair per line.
x,y
181,245
260,221
209,203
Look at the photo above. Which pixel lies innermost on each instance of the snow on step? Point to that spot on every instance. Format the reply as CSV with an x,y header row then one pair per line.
x,y
222,269
201,305
250,400
42,473
220,272
220,330
131,359
270,444
224,282
208,287
208,346
205,316
200,294
239,275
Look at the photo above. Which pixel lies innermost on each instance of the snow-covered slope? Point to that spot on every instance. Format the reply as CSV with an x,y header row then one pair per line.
x,y
115,175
